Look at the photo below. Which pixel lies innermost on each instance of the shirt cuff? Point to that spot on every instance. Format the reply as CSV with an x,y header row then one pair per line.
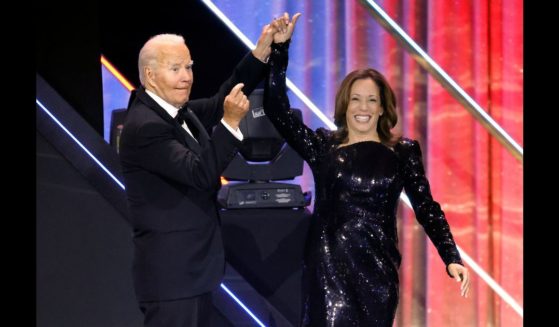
x,y
237,133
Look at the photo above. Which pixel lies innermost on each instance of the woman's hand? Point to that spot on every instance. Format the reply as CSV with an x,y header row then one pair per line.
x,y
461,274
284,27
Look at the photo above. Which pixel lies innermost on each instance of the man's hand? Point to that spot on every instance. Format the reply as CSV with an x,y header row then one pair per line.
x,y
284,27
235,106
263,49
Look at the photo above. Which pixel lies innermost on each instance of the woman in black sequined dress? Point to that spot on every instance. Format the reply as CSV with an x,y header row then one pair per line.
x,y
351,256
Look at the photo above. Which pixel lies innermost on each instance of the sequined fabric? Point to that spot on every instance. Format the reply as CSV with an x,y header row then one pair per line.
x,y
351,263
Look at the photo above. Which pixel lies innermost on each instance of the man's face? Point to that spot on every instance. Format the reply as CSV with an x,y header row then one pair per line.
x,y
171,79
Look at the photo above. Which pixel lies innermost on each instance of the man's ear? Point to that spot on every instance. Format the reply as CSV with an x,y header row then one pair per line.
x,y
149,73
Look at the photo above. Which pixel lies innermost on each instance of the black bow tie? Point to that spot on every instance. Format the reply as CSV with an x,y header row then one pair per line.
x,y
180,116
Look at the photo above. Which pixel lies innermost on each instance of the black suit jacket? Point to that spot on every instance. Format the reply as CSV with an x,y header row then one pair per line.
x,y
171,186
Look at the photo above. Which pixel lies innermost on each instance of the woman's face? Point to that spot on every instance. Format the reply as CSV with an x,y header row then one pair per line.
x,y
363,109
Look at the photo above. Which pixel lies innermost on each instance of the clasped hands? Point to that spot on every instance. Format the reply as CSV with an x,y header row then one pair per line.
x,y
278,31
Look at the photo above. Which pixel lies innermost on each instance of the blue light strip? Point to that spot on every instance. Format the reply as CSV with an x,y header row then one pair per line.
x,y
80,144
251,46
122,186
242,305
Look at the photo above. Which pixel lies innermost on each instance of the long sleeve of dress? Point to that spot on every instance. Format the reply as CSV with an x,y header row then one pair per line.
x,y
308,144
428,212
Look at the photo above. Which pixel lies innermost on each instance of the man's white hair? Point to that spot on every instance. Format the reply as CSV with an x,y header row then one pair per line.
x,y
150,50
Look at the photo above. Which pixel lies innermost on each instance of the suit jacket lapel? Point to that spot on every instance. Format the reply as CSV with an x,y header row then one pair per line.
x,y
190,140
203,136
